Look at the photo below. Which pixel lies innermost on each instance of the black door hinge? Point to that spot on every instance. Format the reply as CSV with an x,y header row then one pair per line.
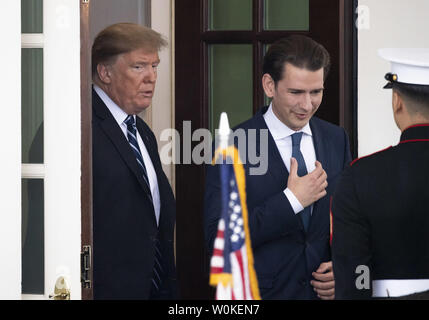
x,y
85,267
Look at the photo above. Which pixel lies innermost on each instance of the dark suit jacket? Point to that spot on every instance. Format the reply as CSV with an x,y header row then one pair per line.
x,y
381,216
124,220
285,255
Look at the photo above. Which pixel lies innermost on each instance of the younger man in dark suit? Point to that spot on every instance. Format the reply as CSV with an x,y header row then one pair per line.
x,y
133,204
289,204
381,206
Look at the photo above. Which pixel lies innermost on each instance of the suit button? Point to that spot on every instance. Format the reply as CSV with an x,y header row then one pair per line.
x,y
303,282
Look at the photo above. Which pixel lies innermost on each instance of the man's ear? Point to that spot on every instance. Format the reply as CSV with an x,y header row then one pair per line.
x,y
104,73
397,102
400,111
269,85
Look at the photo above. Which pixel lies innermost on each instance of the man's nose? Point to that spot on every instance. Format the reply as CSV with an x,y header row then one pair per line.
x,y
151,75
307,103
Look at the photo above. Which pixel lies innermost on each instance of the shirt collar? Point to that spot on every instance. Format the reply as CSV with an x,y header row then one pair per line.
x,y
415,132
278,129
117,113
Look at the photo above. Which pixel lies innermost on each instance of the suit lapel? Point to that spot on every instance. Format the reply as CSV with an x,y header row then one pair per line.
x,y
321,156
110,127
318,141
276,166
153,154
151,148
277,169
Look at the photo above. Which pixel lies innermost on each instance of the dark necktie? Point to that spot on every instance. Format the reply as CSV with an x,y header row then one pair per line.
x,y
132,139
302,171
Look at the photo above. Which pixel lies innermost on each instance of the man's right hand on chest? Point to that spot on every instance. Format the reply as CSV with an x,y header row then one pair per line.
x,y
309,188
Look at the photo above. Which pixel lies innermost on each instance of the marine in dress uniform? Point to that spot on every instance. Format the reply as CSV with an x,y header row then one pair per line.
x,y
380,208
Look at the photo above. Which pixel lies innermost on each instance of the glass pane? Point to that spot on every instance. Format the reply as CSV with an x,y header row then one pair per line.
x,y
231,83
230,15
33,277
32,105
32,16
287,15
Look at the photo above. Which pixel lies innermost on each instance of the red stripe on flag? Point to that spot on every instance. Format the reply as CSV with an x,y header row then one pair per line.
x,y
220,234
218,252
216,270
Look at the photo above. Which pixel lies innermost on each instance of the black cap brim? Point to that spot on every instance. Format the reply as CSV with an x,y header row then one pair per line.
x,y
391,78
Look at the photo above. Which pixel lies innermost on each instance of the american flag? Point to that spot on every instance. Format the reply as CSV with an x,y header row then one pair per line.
x,y
231,265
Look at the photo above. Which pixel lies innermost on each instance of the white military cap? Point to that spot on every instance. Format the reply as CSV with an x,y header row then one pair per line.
x,y
408,65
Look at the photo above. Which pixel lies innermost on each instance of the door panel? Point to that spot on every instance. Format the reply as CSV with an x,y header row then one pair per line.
x,y
230,78
50,144
287,15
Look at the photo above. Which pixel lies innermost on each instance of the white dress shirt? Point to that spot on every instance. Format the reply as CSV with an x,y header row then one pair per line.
x,y
120,116
282,135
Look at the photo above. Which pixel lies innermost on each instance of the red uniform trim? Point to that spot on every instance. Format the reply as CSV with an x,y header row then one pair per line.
x,y
355,160
414,140
418,125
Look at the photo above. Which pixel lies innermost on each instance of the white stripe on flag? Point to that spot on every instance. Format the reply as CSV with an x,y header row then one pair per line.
x,y
219,243
217,262
221,225
246,273
236,278
223,293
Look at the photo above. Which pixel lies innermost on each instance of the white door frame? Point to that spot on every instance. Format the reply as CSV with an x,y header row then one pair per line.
x,y
62,155
10,143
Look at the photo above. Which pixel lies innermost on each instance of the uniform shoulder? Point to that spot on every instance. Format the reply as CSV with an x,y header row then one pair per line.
x,y
371,157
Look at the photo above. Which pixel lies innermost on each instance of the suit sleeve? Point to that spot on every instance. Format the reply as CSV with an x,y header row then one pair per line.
x,y
274,218
347,154
212,205
351,254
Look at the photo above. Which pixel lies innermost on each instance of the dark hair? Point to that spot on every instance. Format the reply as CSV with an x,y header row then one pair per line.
x,y
300,51
121,38
417,95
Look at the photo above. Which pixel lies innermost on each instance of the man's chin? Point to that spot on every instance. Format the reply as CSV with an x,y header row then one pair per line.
x,y
141,108
299,124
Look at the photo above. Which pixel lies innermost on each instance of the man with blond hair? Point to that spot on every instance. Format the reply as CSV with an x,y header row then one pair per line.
x,y
133,204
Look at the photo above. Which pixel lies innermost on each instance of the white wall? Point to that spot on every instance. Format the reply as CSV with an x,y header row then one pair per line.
x,y
106,12
161,113
10,144
384,23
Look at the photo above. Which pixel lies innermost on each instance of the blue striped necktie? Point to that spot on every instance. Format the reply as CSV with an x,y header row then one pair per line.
x,y
132,139
302,171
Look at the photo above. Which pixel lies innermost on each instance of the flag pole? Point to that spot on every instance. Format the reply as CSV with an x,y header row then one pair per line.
x,y
232,270
224,130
